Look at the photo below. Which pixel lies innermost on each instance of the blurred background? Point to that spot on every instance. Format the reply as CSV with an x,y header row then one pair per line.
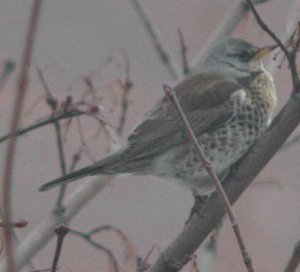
x,y
78,38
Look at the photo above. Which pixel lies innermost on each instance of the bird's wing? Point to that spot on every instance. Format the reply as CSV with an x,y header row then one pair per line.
x,y
205,99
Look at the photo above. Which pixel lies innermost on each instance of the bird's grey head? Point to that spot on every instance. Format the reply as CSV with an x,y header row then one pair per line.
x,y
235,58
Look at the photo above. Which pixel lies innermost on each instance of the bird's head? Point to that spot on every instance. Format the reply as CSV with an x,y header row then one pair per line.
x,y
235,57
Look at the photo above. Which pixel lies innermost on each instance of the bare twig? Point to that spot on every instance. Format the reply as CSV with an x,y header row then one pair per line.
x,y
21,223
236,182
83,142
154,35
194,264
18,224
72,204
290,55
294,259
41,123
18,107
143,263
225,28
52,102
61,232
8,68
183,50
45,229
209,250
211,172
87,237
131,254
125,88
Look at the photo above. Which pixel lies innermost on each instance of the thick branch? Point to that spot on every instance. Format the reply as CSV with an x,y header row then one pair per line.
x,y
203,222
294,259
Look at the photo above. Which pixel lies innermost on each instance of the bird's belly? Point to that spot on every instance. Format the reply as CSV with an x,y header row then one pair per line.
x,y
223,148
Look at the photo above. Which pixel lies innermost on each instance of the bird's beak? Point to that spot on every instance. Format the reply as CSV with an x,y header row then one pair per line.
x,y
261,52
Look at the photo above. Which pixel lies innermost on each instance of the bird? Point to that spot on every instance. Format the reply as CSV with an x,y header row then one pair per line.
x,y
229,103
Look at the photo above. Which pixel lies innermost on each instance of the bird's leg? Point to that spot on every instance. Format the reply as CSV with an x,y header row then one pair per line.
x,y
199,200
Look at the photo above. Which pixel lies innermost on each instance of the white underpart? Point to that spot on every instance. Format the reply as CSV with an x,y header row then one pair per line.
x,y
240,95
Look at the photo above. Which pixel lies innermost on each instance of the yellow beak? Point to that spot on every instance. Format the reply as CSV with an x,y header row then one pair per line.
x,y
261,52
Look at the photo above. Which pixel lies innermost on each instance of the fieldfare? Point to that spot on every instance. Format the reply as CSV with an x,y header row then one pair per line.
x,y
228,104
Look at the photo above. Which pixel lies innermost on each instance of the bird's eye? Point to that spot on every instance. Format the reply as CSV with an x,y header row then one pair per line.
x,y
245,56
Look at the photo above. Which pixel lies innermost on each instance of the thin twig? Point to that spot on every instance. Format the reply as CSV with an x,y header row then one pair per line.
x,y
237,11
52,102
183,50
194,264
291,56
294,259
18,107
240,177
131,255
73,203
225,28
83,142
125,88
8,68
41,123
211,172
61,232
87,237
16,241
154,35
21,223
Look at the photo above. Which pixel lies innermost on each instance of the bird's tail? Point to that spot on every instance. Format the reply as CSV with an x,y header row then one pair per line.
x,y
67,178
113,164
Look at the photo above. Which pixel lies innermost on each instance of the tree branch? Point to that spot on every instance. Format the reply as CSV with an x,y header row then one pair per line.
x,y
41,123
225,28
203,222
156,40
294,259
237,181
52,103
15,120
207,165
44,231
290,55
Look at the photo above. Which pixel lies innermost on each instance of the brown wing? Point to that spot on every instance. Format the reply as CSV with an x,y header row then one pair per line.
x,y
205,101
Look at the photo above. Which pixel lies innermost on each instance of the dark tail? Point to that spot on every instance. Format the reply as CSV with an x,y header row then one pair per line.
x,y
68,178
113,164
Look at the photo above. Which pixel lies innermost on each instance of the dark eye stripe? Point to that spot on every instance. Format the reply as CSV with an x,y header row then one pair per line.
x,y
245,56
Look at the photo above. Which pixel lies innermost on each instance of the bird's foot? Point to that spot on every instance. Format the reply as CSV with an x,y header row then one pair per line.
x,y
199,200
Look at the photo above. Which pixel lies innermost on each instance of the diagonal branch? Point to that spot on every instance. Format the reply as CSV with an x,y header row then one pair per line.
x,y
207,165
41,123
202,223
242,174
156,39
294,259
225,28
290,55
